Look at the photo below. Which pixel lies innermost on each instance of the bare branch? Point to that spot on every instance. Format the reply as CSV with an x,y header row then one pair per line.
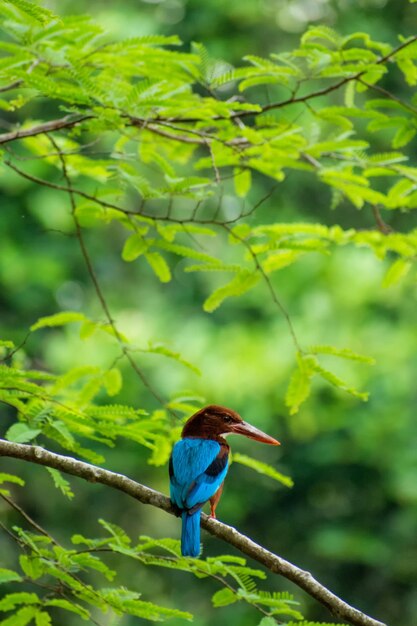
x,y
273,562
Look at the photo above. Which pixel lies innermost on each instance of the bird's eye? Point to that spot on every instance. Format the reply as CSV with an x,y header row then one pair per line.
x,y
227,419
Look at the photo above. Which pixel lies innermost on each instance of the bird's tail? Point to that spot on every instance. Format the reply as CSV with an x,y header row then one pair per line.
x,y
190,536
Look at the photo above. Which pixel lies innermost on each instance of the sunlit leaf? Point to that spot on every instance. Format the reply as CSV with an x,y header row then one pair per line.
x,y
159,266
7,576
263,468
134,246
21,433
59,319
239,285
242,179
223,597
397,270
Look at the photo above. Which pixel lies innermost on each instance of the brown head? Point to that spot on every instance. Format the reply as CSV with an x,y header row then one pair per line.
x,y
215,421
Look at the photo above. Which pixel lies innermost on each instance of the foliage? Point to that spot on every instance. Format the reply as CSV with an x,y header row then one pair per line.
x,y
147,141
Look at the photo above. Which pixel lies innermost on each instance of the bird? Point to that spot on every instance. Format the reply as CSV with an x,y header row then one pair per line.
x,y
198,466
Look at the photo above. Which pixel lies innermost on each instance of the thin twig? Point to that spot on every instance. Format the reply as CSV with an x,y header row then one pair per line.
x,y
94,279
27,517
110,205
16,349
382,226
11,86
65,122
270,287
390,96
11,535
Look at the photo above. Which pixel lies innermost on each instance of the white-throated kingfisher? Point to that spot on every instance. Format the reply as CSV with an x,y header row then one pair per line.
x,y
199,464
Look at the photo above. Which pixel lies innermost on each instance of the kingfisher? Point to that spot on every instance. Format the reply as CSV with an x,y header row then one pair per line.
x,y
198,466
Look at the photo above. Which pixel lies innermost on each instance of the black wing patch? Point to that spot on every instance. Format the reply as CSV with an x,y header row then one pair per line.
x,y
217,465
171,467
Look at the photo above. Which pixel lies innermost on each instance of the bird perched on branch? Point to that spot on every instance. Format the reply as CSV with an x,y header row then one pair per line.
x,y
199,464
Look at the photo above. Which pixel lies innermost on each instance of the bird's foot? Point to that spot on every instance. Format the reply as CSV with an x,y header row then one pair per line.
x,y
176,510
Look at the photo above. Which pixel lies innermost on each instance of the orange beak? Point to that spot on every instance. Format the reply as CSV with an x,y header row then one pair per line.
x,y
243,428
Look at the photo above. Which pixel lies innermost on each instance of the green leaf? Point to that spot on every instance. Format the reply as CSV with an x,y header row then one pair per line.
x,y
224,597
8,576
278,260
59,319
399,268
11,478
6,344
403,136
344,353
113,381
300,384
408,68
270,621
58,431
350,94
321,32
21,433
21,618
263,79
86,560
134,246
184,251
12,600
69,606
61,483
33,11
239,285
159,266
262,468
163,350
161,451
87,330
239,232
42,618
33,568
116,532
371,77
243,181
339,383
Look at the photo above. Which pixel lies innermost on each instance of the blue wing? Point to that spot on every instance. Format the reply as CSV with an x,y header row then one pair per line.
x,y
198,468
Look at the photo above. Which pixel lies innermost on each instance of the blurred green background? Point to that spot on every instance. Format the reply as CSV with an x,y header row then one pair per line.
x,y
351,517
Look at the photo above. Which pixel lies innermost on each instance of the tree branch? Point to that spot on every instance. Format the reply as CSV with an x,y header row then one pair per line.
x,y
64,122
11,86
273,562
69,121
314,94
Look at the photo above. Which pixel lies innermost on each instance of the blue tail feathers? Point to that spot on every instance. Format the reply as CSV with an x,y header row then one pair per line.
x,y
190,536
